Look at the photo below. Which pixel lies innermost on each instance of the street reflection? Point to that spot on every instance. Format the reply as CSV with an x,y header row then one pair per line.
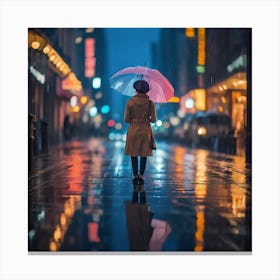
x,y
70,206
144,232
74,202
200,192
192,201
238,201
228,201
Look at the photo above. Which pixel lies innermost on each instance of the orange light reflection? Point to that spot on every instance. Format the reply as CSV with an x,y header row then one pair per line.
x,y
93,232
200,191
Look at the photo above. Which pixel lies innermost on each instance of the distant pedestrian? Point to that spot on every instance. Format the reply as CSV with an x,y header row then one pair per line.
x,y
139,112
67,129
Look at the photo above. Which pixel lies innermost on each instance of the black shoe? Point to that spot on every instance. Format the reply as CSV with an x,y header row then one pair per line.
x,y
135,180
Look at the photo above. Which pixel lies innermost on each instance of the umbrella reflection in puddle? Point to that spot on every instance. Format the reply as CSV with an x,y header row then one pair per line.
x,y
144,232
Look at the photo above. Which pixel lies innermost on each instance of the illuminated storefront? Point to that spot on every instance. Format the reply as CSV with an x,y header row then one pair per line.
x,y
230,97
51,82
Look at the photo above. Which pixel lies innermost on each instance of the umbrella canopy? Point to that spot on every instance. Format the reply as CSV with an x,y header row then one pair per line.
x,y
160,91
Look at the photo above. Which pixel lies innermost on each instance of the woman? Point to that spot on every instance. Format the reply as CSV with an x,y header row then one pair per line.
x,y
139,112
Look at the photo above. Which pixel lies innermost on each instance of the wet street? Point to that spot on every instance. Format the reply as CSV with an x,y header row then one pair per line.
x,y
81,198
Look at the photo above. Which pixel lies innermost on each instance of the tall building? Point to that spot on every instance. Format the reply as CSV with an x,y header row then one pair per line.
x,y
66,78
49,68
228,79
171,60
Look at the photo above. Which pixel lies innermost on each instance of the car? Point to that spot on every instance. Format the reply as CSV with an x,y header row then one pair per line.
x,y
208,129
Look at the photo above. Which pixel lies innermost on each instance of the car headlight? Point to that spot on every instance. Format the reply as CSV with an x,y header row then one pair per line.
x,y
201,131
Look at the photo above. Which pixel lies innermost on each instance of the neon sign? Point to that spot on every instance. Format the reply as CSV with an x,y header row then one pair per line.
x,y
90,60
39,76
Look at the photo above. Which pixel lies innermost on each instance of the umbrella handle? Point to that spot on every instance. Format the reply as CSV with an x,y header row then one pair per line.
x,y
143,74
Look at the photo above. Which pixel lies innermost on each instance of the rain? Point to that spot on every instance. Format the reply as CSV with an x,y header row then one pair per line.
x,y
197,184
75,201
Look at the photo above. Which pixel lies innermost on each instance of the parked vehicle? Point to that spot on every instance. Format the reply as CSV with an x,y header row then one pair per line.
x,y
211,130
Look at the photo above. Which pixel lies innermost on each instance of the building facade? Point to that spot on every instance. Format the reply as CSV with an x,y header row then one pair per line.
x,y
228,78
210,69
49,69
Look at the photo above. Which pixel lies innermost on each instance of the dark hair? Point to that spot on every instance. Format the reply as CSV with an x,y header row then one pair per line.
x,y
141,86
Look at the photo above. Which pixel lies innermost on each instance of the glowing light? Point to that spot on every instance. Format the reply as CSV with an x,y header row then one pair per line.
x,y
241,99
78,40
111,135
189,103
52,57
90,60
39,76
58,64
189,32
93,111
200,69
174,99
118,126
76,109
105,109
174,121
73,101
201,47
53,246
159,123
223,99
238,63
200,96
84,99
35,45
111,123
200,229
89,30
166,124
90,64
181,113
63,219
57,234
93,232
69,208
201,131
46,50
96,83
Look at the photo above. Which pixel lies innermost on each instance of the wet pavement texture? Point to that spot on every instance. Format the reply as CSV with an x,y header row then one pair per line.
x,y
81,198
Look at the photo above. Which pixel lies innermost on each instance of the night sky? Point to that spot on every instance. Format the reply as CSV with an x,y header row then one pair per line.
x,y
129,47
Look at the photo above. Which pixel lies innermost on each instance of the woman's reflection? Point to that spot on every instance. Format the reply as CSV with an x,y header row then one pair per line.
x,y
144,232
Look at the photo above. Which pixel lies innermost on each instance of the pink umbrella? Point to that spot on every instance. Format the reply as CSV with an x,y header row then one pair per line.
x,y
160,91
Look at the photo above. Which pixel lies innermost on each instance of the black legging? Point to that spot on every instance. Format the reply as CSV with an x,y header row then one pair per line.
x,y
134,162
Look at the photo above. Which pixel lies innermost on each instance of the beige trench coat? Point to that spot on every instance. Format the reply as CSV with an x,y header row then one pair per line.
x,y
139,132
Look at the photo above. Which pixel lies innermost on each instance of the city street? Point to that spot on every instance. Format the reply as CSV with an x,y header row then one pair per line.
x,y
81,198
86,88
